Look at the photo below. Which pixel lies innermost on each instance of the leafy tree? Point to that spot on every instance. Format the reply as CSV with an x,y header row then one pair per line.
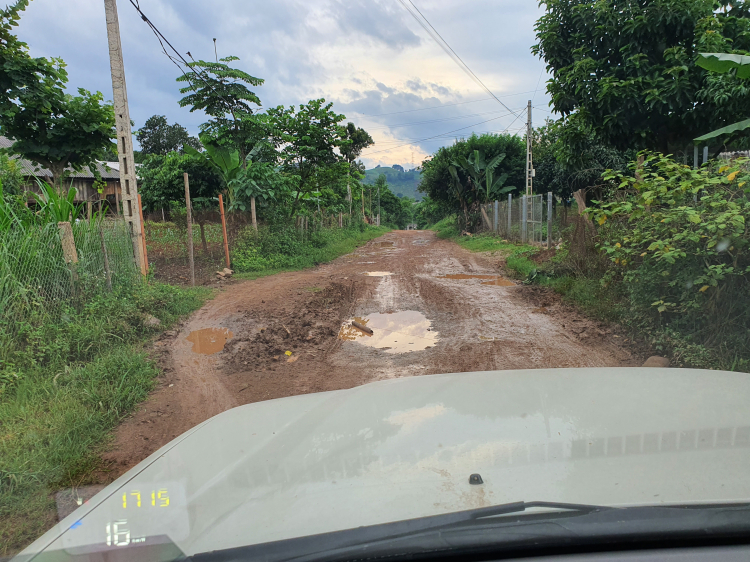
x,y
459,192
77,131
355,140
308,137
222,92
162,181
626,68
568,158
157,136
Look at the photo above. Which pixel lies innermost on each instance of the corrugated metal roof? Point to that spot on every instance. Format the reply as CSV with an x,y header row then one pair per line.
x,y
106,171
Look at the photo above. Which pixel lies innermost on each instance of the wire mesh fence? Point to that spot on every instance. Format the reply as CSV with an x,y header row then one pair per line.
x,y
535,219
46,269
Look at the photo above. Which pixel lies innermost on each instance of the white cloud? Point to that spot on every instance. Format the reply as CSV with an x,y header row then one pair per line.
x,y
367,56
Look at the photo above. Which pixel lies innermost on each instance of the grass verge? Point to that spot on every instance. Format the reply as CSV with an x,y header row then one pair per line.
x,y
274,250
65,384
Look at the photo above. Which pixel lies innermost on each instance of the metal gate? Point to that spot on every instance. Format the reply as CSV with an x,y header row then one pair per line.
x,y
534,215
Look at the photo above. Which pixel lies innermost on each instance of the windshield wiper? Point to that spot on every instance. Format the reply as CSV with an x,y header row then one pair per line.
x,y
483,530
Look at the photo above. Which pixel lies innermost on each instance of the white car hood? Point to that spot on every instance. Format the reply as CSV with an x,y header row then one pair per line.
x,y
405,448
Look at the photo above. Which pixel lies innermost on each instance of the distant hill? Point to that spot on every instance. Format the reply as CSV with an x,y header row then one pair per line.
x,y
400,182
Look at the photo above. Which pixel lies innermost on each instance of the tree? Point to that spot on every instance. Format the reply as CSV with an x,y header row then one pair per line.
x,y
75,133
157,136
626,67
459,192
49,127
355,140
568,158
221,91
162,182
307,137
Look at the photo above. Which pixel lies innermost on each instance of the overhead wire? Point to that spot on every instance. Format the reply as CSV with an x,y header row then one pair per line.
x,y
435,35
439,135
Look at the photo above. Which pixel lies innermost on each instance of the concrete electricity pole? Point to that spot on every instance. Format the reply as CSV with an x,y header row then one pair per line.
x,y
529,159
128,182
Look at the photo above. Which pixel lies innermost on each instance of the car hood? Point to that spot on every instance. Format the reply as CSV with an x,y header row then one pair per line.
x,y
405,448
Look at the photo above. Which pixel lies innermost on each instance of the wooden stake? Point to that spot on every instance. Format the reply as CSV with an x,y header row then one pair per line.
x,y
189,230
143,232
224,228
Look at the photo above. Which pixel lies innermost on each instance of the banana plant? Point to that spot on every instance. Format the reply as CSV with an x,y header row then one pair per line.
x,y
722,63
482,173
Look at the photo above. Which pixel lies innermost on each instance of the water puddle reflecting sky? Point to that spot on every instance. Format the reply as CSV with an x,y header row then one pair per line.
x,y
397,332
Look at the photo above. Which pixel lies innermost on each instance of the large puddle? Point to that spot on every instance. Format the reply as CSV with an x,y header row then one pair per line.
x,y
398,332
496,280
209,340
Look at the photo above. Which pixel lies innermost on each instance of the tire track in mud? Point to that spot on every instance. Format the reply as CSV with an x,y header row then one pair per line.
x,y
286,335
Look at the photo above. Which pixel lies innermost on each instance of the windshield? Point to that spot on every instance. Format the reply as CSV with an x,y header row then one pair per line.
x,y
294,270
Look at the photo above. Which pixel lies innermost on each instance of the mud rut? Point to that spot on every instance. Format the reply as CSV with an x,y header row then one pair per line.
x,y
479,326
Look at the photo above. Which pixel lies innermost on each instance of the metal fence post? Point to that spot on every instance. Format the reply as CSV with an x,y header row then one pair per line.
x,y
495,216
524,218
549,220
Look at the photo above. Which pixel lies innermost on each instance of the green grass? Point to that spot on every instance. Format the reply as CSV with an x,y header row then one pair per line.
x,y
517,255
272,250
63,387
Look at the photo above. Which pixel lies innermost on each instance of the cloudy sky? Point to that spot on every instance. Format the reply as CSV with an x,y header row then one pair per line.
x,y
370,57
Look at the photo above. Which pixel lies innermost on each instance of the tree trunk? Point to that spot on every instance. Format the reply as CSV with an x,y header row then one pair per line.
x,y
201,224
58,171
252,213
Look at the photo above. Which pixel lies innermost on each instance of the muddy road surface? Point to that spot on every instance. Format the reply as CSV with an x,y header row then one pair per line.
x,y
431,307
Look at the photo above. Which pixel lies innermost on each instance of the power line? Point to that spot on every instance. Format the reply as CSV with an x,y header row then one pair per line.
x,y
195,69
432,32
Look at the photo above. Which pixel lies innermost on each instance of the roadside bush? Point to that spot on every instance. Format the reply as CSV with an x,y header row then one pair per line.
x,y
678,240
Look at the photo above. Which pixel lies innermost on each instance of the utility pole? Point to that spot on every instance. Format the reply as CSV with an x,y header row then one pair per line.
x,y
529,159
128,183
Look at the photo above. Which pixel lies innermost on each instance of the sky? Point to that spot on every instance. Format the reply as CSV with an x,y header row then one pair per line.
x,y
370,58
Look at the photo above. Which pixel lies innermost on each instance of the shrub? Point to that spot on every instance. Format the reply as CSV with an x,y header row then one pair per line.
x,y
678,240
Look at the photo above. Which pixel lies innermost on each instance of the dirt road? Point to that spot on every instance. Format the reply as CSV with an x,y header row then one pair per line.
x,y
432,307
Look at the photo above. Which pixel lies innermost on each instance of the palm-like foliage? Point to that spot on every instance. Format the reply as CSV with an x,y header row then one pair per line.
x,y
723,63
480,175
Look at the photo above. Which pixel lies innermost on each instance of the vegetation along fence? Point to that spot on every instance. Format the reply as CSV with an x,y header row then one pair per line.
x,y
44,269
526,219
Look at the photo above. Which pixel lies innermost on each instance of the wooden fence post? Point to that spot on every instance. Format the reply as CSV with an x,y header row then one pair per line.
x,y
189,229
224,228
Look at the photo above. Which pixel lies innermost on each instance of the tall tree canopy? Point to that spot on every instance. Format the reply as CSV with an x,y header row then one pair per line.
x,y
222,93
627,67
157,136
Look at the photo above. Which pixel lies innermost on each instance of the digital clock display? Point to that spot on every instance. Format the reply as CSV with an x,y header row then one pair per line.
x,y
132,516
133,499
